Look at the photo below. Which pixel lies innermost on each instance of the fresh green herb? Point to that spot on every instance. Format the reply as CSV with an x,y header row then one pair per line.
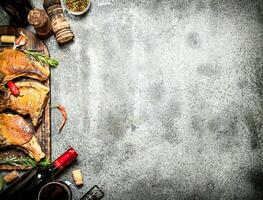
x,y
40,57
2,183
44,163
22,161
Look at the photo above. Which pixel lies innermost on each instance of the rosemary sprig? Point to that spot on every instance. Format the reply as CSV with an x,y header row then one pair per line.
x,y
23,161
2,182
40,57
44,163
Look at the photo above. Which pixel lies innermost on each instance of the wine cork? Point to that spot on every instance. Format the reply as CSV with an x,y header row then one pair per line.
x,y
11,176
40,21
7,38
77,176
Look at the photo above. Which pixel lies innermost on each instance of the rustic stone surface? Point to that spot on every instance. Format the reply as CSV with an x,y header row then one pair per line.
x,y
164,98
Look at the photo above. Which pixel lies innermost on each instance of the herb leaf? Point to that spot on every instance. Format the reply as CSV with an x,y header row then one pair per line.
x,y
40,57
44,163
1,182
22,161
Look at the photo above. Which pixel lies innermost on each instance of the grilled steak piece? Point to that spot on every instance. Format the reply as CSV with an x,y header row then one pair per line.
x,y
15,131
15,63
32,100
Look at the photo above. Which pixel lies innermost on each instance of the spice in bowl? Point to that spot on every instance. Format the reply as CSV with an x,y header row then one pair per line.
x,y
77,7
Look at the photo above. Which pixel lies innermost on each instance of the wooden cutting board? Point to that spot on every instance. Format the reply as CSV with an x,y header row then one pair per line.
x,y
43,133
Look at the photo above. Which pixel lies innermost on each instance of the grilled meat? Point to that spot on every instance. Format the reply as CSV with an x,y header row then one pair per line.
x,y
15,63
15,131
32,100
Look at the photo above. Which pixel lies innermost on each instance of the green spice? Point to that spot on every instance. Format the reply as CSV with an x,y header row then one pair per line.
x,y
23,161
43,59
2,183
77,5
44,163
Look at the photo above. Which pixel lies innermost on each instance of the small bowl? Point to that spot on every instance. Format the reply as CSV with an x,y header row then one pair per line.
x,y
76,13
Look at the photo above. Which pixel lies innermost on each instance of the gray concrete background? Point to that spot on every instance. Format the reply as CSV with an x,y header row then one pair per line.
x,y
164,98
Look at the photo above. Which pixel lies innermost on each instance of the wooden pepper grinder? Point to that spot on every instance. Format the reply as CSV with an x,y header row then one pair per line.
x,y
40,21
59,23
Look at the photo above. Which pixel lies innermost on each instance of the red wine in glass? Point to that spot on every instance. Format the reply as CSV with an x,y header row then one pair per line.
x,y
55,191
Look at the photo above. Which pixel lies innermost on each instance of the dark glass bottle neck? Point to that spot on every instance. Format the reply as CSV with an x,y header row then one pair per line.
x,y
53,169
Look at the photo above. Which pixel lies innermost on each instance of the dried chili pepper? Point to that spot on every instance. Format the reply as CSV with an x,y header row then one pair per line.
x,y
13,88
64,116
21,40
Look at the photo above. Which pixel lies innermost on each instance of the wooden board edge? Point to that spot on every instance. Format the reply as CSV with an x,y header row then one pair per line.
x,y
46,123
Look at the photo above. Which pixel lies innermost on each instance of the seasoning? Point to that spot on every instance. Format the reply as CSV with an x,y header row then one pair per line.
x,y
40,57
59,23
13,88
77,5
64,114
21,40
40,21
77,176
2,182
11,176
